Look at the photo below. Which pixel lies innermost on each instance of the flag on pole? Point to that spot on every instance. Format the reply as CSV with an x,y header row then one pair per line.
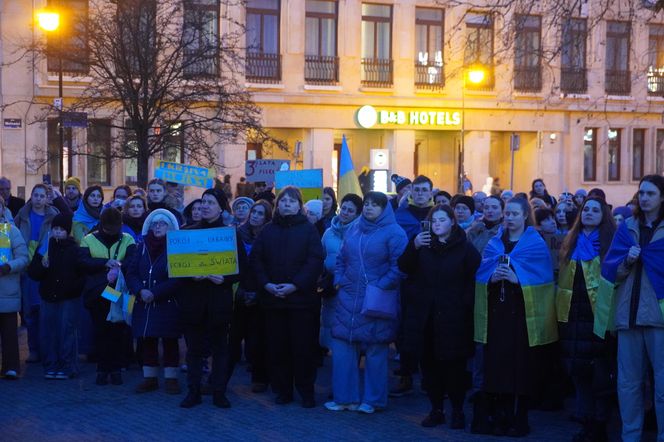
x,y
348,182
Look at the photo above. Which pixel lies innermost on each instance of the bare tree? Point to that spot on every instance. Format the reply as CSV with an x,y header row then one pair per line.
x,y
159,70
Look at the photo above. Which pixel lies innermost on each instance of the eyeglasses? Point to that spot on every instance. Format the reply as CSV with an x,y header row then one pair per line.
x,y
159,224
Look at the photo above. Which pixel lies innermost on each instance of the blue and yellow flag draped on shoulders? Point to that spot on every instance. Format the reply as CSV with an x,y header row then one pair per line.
x,y
532,264
652,257
348,182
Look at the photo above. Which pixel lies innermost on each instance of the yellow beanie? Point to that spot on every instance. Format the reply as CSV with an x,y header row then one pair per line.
x,y
73,181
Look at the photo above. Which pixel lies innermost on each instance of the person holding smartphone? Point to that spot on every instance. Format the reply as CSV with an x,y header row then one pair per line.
x,y
515,318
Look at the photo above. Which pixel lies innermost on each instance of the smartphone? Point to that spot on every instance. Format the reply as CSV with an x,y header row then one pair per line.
x,y
504,259
46,178
425,225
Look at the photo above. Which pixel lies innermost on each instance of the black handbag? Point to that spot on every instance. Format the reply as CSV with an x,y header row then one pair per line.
x,y
325,285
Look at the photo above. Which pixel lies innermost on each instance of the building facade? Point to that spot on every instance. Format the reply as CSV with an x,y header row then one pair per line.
x,y
583,96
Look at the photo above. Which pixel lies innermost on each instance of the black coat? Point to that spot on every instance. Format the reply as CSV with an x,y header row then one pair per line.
x,y
443,278
161,317
579,345
204,302
61,280
288,250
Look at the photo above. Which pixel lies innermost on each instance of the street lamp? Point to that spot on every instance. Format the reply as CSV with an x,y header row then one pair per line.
x,y
49,21
474,74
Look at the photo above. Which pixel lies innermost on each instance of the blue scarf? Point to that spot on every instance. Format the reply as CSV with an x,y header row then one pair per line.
x,y
587,246
82,216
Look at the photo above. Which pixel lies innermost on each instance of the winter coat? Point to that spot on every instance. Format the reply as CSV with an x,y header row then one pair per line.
x,y
161,317
61,280
10,284
649,313
204,302
93,254
479,235
444,279
380,243
288,250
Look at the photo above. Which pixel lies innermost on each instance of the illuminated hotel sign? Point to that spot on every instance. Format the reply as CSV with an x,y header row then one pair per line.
x,y
368,117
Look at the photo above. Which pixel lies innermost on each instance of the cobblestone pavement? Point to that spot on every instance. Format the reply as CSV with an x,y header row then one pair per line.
x,y
35,409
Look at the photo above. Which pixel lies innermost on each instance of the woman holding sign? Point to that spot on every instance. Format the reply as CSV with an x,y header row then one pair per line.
x,y
287,258
207,309
156,313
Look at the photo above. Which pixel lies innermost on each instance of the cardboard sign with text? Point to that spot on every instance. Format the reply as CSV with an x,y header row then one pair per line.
x,y
264,170
202,252
185,174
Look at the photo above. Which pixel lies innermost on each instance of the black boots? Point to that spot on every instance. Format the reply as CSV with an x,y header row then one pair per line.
x,y
481,423
192,399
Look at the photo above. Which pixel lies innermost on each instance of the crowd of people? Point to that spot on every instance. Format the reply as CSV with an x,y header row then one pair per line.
x,y
507,300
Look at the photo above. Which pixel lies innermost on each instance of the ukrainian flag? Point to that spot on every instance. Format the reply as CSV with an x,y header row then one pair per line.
x,y
348,182
532,264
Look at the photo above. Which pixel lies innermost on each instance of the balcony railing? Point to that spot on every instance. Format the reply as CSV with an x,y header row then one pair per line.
x,y
197,65
263,68
528,78
429,76
617,82
321,70
656,82
377,72
573,80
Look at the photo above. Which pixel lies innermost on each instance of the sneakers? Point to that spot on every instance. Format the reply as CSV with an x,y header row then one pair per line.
x,y
366,409
435,418
148,385
333,406
11,375
49,375
172,386
404,388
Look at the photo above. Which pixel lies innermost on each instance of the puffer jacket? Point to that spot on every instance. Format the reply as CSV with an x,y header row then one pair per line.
x,y
10,284
649,313
380,243
161,317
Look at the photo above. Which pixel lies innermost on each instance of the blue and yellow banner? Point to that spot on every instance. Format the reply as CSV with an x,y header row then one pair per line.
x,y
5,244
202,252
309,181
185,174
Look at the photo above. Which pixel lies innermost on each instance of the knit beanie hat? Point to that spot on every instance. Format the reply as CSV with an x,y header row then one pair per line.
x,y
400,181
63,221
73,181
220,196
160,215
315,207
111,220
241,199
466,200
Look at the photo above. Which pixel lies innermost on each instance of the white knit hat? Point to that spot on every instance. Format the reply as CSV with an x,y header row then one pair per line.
x,y
160,215
315,207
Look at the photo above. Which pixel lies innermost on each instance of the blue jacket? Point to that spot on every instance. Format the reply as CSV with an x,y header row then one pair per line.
x,y
381,243
332,239
160,318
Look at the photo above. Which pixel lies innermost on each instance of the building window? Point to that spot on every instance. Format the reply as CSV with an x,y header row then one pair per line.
x,y
321,64
53,150
617,77
590,155
659,154
173,146
201,38
138,23
70,42
99,152
614,154
263,58
130,149
573,56
376,45
479,47
527,53
638,153
656,60
429,30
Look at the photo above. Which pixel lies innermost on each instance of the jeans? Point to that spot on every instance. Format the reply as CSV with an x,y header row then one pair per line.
x,y
346,373
638,347
216,335
31,300
588,405
59,336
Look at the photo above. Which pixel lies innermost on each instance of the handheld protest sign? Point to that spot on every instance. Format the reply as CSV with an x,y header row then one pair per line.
x,y
310,182
202,252
264,170
185,174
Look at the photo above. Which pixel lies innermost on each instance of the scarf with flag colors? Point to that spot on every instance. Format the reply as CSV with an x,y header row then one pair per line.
x,y
532,264
652,257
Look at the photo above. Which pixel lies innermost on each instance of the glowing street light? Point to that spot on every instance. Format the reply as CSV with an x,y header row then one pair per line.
x,y
49,21
474,75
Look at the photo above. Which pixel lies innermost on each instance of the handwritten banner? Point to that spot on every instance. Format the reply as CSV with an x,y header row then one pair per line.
x,y
202,252
185,174
264,170
310,182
